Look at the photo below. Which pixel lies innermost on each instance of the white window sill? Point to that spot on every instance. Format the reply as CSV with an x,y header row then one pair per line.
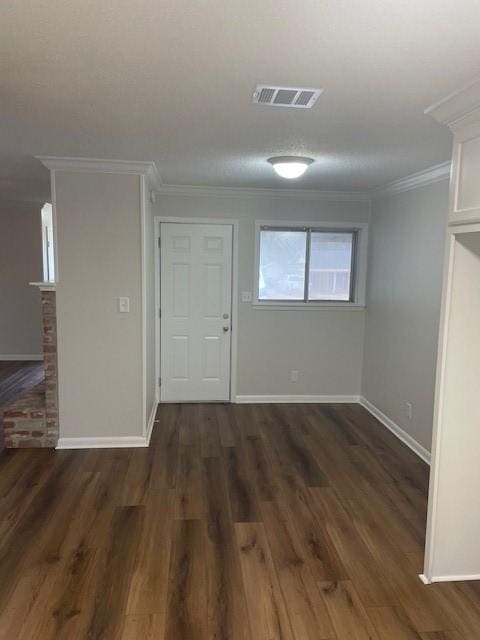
x,y
309,306
44,286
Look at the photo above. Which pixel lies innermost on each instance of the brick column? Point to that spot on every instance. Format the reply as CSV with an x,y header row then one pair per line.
x,y
49,318
32,420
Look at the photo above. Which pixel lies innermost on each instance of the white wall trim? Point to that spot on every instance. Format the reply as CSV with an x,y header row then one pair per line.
x,y
149,169
392,426
120,442
458,105
305,399
156,231
21,356
102,443
434,174
234,223
44,286
53,190
249,192
143,262
144,441
433,489
360,267
151,422
308,306
453,578
97,165
431,175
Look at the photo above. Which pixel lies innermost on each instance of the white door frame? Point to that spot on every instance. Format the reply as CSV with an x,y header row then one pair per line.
x,y
234,223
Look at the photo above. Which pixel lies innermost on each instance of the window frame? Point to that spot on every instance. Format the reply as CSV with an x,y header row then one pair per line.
x,y
48,243
358,269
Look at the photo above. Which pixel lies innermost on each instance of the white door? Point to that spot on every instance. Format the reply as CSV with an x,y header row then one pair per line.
x,y
196,300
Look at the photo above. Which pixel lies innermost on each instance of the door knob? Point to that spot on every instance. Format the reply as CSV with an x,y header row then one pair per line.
x,y
225,316
225,329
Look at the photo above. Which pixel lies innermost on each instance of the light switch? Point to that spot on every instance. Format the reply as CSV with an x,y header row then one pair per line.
x,y
246,296
124,305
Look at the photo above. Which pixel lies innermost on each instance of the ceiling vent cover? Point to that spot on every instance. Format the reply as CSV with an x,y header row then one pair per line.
x,y
285,96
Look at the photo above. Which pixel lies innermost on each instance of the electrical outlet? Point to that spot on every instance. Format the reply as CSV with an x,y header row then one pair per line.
x,y
408,410
123,305
294,376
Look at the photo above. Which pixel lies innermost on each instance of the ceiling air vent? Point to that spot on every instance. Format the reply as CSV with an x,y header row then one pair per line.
x,y
285,96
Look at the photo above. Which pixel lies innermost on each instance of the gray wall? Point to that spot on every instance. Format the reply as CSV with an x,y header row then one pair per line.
x,y
325,346
99,349
20,263
407,236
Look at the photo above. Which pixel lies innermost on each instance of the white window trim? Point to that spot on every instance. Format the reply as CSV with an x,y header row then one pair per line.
x,y
48,243
235,224
361,267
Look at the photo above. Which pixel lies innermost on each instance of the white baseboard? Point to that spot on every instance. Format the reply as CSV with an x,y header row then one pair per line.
x,y
102,443
453,578
151,422
392,426
295,399
144,441
111,443
21,356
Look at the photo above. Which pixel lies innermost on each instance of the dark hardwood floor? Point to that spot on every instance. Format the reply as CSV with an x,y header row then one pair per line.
x,y
274,522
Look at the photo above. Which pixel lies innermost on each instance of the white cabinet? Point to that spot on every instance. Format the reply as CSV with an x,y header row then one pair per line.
x,y
460,111
465,186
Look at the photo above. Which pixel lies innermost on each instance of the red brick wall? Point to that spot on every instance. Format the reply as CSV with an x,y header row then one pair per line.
x,y
49,315
32,420
24,421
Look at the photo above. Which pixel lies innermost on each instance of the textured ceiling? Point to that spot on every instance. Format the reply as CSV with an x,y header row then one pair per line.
x,y
171,81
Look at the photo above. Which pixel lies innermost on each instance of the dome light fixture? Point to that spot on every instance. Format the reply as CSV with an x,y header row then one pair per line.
x,y
290,167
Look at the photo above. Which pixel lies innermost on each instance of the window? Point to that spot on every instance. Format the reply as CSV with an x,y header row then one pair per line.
x,y
48,244
307,265
331,265
282,264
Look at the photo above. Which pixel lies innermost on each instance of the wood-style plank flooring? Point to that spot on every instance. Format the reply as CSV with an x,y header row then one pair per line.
x,y
273,522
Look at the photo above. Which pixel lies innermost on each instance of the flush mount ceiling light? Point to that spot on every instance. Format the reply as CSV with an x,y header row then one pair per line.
x,y
290,166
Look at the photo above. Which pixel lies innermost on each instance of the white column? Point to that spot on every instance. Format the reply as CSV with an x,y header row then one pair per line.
x,y
100,214
453,530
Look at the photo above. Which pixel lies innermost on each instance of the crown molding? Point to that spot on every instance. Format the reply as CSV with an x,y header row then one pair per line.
x,y
248,192
149,170
458,107
153,177
434,174
96,165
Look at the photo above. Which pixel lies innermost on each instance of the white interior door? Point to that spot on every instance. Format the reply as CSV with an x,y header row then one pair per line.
x,y
196,300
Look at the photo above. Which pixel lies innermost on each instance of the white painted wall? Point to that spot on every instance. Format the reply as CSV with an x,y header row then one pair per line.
x,y
406,252
99,349
325,346
20,263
